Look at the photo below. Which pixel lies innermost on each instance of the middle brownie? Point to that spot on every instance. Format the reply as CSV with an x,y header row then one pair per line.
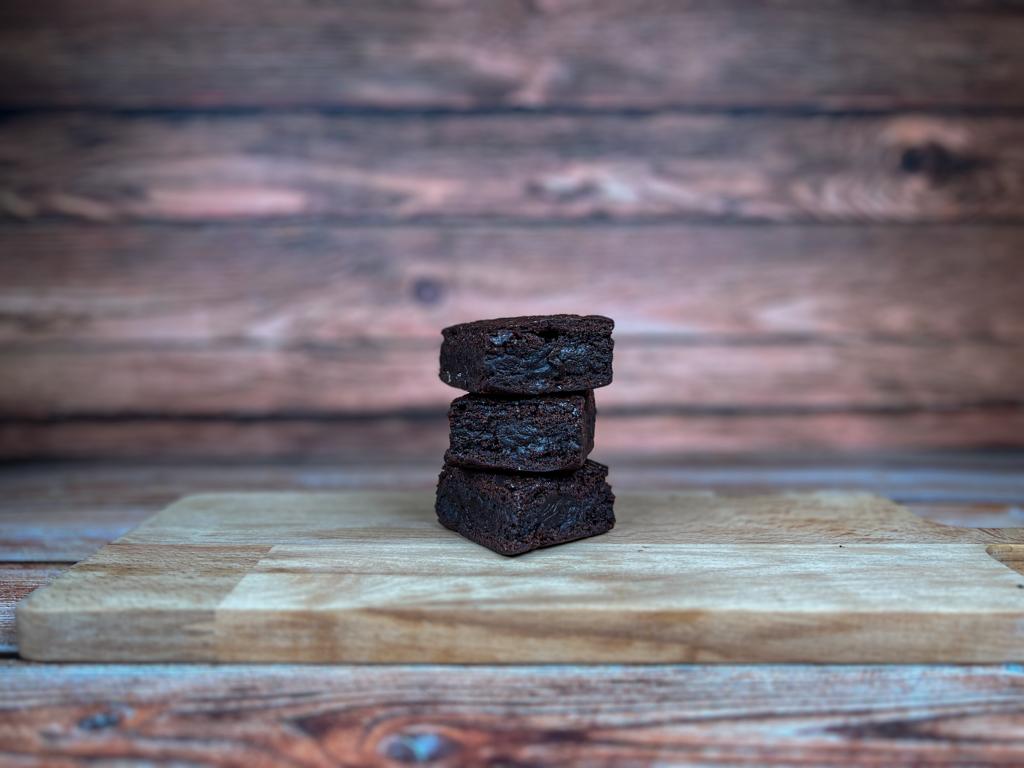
x,y
550,433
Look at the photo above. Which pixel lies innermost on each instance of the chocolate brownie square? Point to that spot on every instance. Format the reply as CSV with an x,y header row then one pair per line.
x,y
548,433
513,514
528,355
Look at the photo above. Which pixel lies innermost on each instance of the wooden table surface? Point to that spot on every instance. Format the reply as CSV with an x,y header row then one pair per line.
x,y
52,515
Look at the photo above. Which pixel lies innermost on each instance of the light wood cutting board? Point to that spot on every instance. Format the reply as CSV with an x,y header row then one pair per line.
x,y
372,577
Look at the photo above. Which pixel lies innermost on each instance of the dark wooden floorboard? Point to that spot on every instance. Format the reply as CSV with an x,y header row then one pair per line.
x,y
389,377
869,337
598,54
319,716
321,285
729,168
17,580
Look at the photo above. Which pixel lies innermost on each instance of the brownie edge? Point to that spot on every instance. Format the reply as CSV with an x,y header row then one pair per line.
x,y
513,514
533,355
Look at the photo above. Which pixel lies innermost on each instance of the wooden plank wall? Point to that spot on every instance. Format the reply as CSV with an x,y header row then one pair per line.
x,y
234,229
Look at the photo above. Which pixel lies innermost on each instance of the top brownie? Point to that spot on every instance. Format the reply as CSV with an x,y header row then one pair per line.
x,y
535,355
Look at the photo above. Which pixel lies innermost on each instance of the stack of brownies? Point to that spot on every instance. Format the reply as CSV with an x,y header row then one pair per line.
x,y
516,475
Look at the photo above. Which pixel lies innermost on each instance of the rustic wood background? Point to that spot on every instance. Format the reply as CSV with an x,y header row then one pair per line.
x,y
234,229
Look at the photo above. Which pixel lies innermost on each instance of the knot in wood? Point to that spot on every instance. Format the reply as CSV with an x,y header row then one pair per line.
x,y
99,721
419,747
428,290
936,162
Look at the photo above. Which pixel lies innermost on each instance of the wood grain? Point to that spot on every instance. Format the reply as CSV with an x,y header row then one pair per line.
x,y
842,715
55,530
74,715
739,433
299,135
395,439
80,531
722,63
16,582
372,577
82,507
66,493
903,168
985,515
283,285
19,579
228,323
379,379
463,55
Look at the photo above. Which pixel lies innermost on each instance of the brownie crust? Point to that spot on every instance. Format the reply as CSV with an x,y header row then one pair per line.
x,y
513,514
548,433
534,355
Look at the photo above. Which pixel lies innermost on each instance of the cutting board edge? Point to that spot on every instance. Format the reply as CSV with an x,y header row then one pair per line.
x,y
34,621
35,644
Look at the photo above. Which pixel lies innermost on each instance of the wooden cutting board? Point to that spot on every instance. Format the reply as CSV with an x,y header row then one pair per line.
x,y
371,577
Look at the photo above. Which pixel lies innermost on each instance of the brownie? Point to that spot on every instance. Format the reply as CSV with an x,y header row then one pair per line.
x,y
528,355
548,433
512,514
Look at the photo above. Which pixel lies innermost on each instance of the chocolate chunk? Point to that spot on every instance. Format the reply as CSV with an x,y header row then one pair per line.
x,y
549,433
513,514
528,355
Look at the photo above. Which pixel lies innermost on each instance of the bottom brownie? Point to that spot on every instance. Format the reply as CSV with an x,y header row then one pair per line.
x,y
513,514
